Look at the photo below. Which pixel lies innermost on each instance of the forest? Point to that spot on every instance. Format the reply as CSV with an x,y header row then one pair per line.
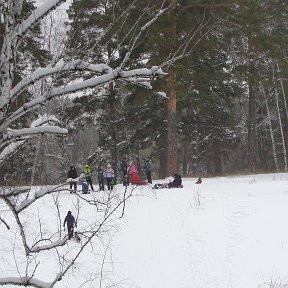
x,y
199,86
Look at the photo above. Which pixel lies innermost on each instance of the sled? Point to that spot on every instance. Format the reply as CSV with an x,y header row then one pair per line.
x,y
77,237
165,185
74,235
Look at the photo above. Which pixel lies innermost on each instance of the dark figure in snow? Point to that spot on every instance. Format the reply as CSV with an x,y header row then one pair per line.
x,y
70,220
72,174
88,175
148,169
176,183
124,170
100,176
85,186
109,174
199,181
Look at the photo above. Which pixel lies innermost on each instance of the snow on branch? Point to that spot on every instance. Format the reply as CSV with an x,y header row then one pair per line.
x,y
14,146
38,194
37,248
37,15
48,71
9,192
24,281
77,86
10,150
11,133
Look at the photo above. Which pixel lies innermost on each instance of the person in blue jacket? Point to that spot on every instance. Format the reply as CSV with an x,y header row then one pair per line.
x,y
70,220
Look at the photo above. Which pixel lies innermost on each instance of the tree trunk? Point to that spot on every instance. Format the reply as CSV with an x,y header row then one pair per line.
x,y
163,162
172,166
252,118
113,147
281,127
285,109
186,146
270,129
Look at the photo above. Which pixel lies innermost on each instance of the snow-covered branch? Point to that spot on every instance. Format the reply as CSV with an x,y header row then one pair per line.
x,y
49,71
78,86
21,136
24,281
11,133
37,15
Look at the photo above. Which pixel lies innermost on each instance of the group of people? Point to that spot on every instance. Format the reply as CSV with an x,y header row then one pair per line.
x,y
130,174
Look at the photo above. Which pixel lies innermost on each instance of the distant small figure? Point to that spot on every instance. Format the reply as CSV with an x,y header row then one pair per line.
x,y
70,220
148,169
88,175
124,171
176,183
109,175
100,177
72,174
85,186
199,181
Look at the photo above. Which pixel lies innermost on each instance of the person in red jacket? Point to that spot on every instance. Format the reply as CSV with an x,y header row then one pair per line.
x,y
135,178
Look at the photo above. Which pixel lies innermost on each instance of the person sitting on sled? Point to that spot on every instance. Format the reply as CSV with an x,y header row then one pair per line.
x,y
70,220
176,183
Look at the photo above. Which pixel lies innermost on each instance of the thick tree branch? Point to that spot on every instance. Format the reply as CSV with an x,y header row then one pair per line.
x,y
74,87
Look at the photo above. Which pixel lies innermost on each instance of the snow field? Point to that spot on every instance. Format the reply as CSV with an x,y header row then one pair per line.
x,y
235,238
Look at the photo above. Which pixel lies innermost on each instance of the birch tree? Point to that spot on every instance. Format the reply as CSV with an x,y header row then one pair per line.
x,y
18,203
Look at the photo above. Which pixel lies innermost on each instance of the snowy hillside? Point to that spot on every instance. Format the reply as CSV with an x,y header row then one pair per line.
x,y
228,232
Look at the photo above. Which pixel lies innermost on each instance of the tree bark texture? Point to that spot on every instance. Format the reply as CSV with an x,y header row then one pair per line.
x,y
252,121
172,166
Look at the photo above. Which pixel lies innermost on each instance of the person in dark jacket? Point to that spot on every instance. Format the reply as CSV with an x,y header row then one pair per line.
x,y
124,170
148,169
176,183
72,174
100,176
70,220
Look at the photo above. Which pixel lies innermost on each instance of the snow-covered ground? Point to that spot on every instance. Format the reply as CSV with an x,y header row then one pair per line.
x,y
228,232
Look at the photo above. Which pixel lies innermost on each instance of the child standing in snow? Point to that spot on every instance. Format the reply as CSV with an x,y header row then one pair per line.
x,y
109,174
72,174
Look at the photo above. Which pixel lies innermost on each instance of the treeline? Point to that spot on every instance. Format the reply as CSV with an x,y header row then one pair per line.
x,y
222,107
